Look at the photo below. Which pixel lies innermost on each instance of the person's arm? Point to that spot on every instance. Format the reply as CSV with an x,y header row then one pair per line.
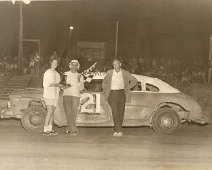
x,y
104,82
81,83
133,81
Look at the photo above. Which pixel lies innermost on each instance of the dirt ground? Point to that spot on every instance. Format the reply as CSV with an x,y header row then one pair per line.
x,y
96,149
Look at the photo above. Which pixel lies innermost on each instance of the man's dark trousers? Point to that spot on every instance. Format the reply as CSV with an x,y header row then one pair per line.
x,y
116,101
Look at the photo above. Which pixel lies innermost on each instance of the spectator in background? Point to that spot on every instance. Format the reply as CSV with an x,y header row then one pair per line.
x,y
37,63
31,65
141,65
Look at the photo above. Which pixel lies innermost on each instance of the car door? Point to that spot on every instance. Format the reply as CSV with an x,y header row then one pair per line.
x,y
135,108
93,107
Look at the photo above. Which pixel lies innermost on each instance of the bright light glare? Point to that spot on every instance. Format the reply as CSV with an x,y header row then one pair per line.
x,y
71,27
27,1
24,1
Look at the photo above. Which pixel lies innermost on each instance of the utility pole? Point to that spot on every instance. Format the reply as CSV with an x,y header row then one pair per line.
x,y
209,60
20,39
117,34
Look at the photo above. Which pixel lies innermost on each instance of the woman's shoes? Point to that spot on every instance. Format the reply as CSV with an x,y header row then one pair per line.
x,y
53,133
49,133
67,132
46,133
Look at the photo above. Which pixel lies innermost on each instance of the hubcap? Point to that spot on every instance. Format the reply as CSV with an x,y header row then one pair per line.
x,y
36,119
166,122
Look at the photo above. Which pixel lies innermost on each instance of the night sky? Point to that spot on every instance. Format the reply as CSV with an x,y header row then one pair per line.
x,y
148,28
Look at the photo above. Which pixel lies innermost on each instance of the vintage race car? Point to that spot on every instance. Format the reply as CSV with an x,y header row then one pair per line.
x,y
151,102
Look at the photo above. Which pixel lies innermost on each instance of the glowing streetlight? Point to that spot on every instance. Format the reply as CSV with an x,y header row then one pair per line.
x,y
24,1
69,39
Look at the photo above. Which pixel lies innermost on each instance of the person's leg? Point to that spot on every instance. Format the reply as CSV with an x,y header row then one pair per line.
x,y
121,108
113,102
51,121
48,117
68,110
49,114
74,105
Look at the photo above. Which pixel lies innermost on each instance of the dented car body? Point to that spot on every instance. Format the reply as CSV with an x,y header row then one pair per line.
x,y
151,103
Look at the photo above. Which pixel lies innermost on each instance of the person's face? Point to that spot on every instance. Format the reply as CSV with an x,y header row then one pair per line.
x,y
54,64
73,66
116,65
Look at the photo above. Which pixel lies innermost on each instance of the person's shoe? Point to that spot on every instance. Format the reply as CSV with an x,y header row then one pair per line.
x,y
67,132
46,133
118,134
74,133
53,133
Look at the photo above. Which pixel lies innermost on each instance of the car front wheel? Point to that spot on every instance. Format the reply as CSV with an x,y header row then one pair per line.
x,y
33,118
166,121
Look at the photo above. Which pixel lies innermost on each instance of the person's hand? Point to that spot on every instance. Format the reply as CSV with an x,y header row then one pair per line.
x,y
127,89
60,85
65,86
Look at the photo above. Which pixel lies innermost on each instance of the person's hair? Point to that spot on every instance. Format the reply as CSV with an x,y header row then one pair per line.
x,y
52,59
117,60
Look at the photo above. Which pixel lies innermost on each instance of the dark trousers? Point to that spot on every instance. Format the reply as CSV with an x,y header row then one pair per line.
x,y
116,101
71,104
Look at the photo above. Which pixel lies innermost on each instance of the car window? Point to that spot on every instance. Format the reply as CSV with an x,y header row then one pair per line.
x,y
94,85
152,88
137,87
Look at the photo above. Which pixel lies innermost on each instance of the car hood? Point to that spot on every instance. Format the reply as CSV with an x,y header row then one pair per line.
x,y
28,93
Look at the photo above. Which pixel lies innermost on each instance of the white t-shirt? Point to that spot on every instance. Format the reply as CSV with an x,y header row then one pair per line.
x,y
117,82
51,77
76,86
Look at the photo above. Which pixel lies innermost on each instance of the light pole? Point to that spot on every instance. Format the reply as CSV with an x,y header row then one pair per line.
x,y
20,39
20,35
69,39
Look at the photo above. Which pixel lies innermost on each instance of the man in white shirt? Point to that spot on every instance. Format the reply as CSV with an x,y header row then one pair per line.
x,y
116,84
71,96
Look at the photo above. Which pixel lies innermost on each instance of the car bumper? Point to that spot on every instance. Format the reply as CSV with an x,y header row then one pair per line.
x,y
202,120
7,113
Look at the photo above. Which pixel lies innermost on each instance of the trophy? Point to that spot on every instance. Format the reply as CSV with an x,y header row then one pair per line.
x,y
63,78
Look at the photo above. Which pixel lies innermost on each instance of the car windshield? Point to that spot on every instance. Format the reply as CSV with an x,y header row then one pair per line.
x,y
95,85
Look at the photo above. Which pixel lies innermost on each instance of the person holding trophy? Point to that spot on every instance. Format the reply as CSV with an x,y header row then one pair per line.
x,y
71,96
51,85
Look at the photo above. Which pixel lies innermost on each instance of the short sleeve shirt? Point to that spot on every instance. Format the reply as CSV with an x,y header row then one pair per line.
x,y
51,77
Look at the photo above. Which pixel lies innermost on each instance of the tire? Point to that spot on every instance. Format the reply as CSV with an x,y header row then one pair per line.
x,y
33,118
166,121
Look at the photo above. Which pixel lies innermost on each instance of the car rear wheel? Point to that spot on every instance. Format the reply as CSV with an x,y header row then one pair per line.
x,y
33,118
166,121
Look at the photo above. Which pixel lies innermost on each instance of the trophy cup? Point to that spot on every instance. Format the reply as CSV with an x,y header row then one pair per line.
x,y
63,79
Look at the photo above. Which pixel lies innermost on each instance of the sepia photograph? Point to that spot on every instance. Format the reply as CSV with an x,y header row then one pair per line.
x,y
105,84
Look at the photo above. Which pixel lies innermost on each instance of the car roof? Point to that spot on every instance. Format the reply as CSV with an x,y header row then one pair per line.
x,y
163,86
